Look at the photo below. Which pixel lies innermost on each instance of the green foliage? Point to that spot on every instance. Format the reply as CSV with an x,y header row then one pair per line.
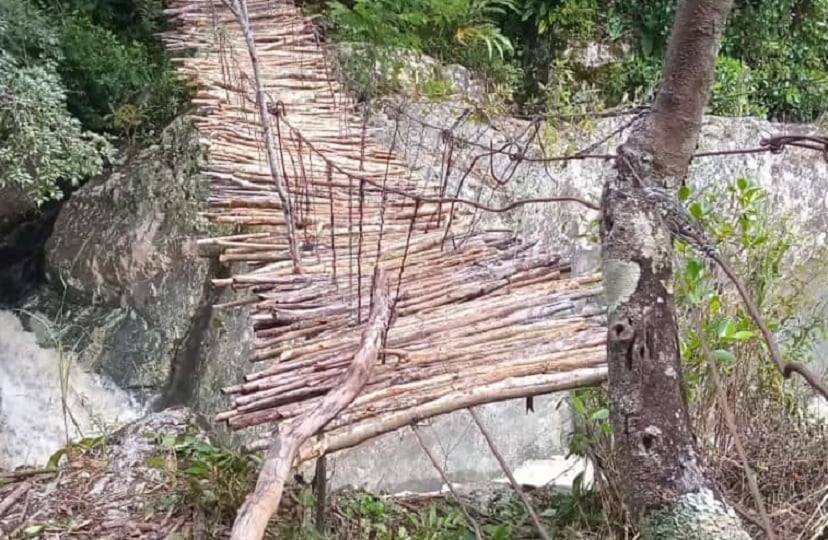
x,y
101,72
42,144
213,479
359,514
119,78
733,90
87,69
454,31
759,251
773,54
772,61
26,34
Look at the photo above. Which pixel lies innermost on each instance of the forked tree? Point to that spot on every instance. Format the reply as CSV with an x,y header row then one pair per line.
x,y
667,489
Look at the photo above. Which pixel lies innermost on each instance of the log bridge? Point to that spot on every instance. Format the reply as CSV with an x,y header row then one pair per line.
x,y
479,316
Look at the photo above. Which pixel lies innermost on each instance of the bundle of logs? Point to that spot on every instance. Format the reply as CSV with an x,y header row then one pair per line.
x,y
353,268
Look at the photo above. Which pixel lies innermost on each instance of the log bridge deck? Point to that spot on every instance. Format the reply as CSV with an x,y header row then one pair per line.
x,y
480,316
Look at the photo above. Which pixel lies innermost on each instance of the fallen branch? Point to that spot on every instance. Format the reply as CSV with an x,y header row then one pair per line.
x,y
255,513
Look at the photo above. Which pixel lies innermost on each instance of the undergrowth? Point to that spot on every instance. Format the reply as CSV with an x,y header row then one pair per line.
x,y
787,446
210,482
772,60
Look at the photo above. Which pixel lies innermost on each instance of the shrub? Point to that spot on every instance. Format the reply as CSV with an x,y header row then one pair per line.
x,y
42,144
453,31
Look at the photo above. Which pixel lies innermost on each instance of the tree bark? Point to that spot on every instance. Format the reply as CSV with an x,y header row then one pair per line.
x,y
666,487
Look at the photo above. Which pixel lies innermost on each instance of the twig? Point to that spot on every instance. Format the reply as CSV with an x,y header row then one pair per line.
x,y
8,477
732,427
12,497
505,466
436,464
256,511
786,368
261,103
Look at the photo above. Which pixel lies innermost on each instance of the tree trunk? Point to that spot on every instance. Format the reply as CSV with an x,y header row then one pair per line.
x,y
666,486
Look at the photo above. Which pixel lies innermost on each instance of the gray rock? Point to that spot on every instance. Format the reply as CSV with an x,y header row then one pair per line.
x,y
130,290
14,205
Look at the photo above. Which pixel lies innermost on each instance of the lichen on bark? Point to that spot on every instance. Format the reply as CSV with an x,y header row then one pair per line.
x,y
698,515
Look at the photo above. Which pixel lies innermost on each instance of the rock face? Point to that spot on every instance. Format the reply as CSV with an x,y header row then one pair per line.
x,y
24,229
129,289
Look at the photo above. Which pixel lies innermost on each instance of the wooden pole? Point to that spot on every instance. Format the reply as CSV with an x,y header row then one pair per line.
x,y
252,519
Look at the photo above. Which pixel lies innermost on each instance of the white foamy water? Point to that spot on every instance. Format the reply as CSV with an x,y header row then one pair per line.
x,y
31,408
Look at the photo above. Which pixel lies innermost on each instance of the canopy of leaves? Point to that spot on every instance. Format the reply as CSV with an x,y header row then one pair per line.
x,y
74,72
773,62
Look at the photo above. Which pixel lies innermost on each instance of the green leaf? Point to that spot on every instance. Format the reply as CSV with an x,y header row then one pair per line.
x,y
156,462
197,469
741,183
34,530
692,269
726,328
724,356
696,210
742,335
578,404
601,414
714,305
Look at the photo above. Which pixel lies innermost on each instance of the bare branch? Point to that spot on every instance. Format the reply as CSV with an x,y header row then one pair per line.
x,y
786,368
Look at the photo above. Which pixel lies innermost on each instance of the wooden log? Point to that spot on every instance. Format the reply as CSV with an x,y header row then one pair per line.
x,y
252,518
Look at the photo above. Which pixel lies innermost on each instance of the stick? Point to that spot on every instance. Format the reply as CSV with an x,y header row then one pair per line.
x,y
255,513
505,466
436,464
320,490
730,421
786,368
261,103
12,497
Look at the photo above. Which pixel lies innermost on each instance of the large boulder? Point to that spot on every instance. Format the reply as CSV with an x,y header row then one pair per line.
x,y
130,291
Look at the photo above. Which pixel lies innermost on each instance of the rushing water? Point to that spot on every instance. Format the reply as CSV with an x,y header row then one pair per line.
x,y
32,420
